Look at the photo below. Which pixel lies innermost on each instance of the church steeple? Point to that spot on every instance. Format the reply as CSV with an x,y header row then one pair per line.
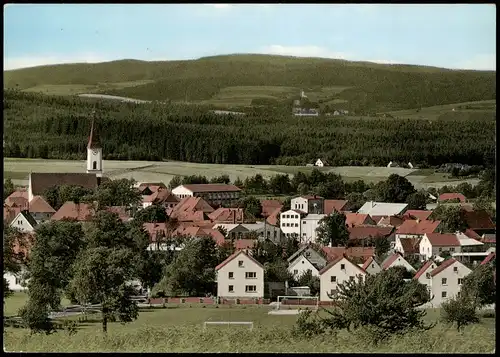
x,y
94,152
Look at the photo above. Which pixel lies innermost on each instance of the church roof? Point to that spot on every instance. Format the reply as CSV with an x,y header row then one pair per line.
x,y
41,181
93,138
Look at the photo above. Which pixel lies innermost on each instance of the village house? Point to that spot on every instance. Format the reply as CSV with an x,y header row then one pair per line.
x,y
383,209
408,247
40,209
306,258
191,209
409,234
241,230
479,221
321,163
308,204
395,260
358,219
354,253
240,276
417,214
435,244
452,196
331,206
214,193
308,227
389,221
228,215
336,272
162,197
82,212
24,222
446,281
148,188
371,266
423,275
290,222
364,233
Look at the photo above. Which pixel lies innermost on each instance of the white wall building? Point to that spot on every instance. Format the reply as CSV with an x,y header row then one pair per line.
x,y
308,204
371,266
309,224
24,222
213,193
447,280
300,265
94,154
337,272
240,276
290,222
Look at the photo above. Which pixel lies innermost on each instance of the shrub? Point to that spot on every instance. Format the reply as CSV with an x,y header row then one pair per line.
x,y
459,311
308,325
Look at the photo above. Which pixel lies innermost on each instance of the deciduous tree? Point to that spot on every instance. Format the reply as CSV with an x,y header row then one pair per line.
x,y
332,230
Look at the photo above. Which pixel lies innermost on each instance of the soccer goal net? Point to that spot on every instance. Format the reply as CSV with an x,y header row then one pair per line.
x,y
295,302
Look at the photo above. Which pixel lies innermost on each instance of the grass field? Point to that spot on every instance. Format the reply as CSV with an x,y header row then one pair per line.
x,y
151,171
448,110
234,80
180,329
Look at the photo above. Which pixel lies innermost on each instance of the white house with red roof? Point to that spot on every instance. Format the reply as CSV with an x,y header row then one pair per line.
x,y
240,276
371,266
213,193
308,204
423,275
336,272
452,196
446,281
397,260
290,222
433,244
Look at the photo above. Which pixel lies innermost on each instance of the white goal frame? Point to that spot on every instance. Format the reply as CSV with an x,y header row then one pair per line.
x,y
228,323
316,307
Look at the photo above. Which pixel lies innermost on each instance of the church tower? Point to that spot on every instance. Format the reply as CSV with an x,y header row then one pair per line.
x,y
94,152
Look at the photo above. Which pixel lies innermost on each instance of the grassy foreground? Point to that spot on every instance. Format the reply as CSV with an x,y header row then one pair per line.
x,y
180,329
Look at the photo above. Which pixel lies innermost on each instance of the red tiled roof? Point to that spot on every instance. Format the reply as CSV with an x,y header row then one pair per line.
x,y
39,205
423,269
269,206
17,202
161,196
336,261
80,212
387,264
191,209
417,227
452,196
362,232
42,181
234,255
244,243
443,239
153,186
410,245
417,214
227,215
121,211
273,217
471,234
18,193
390,221
489,258
216,235
357,219
329,206
362,252
212,187
443,266
367,263
478,220
9,213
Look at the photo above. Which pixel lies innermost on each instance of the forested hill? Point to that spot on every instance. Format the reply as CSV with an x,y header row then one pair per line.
x,y
43,126
250,80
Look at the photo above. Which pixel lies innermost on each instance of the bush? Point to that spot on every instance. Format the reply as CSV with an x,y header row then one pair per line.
x,y
459,311
308,325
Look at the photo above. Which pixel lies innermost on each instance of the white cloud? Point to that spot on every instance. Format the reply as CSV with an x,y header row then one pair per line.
x,y
33,61
481,62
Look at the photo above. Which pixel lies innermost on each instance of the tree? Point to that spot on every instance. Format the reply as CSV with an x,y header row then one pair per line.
x,y
56,196
303,188
256,184
332,230
298,179
151,214
101,275
355,201
307,279
13,258
277,271
480,285
395,189
174,182
221,179
238,183
265,251
332,189
287,204
280,184
460,310
8,188
192,271
417,200
252,206
466,189
452,218
383,304
382,247
119,192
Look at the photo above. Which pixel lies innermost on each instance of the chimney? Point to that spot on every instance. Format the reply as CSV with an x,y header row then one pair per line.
x,y
372,205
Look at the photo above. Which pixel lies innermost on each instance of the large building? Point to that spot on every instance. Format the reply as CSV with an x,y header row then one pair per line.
x,y
213,193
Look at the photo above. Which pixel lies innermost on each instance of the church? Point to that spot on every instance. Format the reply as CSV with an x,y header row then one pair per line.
x,y
39,182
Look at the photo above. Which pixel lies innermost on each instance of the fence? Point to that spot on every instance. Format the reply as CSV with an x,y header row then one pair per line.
x,y
207,301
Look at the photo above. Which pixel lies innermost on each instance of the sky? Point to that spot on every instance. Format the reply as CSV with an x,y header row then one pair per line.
x,y
459,36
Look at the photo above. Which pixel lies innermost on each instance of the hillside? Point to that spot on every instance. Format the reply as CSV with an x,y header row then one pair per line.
x,y
235,81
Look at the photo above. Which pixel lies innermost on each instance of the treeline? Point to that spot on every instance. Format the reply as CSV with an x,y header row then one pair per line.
x,y
38,126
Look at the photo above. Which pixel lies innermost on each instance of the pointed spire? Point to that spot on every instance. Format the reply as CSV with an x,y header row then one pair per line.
x,y
93,137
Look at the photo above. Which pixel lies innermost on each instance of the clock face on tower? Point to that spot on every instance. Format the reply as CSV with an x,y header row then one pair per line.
x,y
94,152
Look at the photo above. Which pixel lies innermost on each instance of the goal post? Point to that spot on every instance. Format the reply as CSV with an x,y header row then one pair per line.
x,y
300,301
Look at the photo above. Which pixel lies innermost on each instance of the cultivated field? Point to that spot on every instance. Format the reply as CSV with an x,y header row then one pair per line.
x,y
180,329
154,171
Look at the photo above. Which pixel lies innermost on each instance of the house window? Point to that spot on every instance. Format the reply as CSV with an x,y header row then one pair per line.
x,y
296,224
455,269
373,265
309,270
295,271
231,289
342,266
444,282
250,289
230,275
443,294
440,250
333,279
240,263
282,224
94,165
302,262
334,292
460,281
304,222
308,254
428,275
250,275
452,249
287,216
288,224
351,278
17,281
